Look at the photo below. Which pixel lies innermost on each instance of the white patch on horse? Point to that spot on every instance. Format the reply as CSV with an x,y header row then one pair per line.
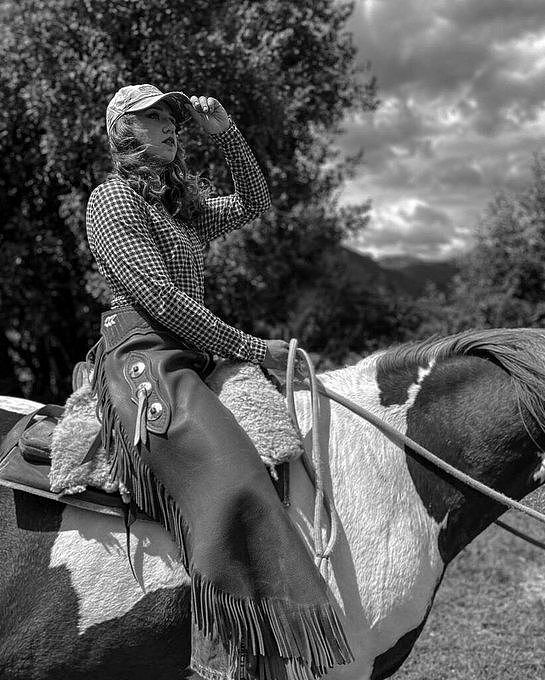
x,y
386,565
539,474
92,551
17,405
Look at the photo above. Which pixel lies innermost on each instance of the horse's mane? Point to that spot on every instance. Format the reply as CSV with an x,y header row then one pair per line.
x,y
519,351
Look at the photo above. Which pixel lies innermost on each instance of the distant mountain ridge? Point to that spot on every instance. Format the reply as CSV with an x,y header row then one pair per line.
x,y
403,273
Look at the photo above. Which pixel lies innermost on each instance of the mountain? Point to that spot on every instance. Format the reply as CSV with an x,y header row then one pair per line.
x,y
401,273
420,272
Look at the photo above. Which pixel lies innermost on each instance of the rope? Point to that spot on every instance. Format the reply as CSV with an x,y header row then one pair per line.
x,y
313,468
520,534
398,438
402,440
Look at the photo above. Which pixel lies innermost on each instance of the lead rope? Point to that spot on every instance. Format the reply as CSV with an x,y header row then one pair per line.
x,y
401,440
314,467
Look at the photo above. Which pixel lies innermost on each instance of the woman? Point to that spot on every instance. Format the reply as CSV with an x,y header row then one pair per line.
x,y
258,605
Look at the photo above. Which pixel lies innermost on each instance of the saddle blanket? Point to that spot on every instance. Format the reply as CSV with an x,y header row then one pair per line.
x,y
73,476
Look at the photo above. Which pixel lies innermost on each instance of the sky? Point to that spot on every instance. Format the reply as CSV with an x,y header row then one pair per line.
x,y
462,86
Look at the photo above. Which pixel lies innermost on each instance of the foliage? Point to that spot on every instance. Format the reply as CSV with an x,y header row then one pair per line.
x,y
283,70
502,280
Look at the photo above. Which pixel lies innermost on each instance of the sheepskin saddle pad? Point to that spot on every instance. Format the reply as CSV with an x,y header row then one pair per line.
x,y
243,388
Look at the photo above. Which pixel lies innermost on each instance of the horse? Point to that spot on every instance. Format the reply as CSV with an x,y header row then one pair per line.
x,y
70,605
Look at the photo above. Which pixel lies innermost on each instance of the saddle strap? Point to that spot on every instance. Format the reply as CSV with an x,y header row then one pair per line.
x,y
12,437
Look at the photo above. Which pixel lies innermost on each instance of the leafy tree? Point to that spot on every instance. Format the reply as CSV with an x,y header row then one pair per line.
x,y
286,73
502,281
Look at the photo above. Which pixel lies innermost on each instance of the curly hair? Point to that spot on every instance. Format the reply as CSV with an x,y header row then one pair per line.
x,y
172,185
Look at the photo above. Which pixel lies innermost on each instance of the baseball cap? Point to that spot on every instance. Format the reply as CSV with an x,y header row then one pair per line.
x,y
132,98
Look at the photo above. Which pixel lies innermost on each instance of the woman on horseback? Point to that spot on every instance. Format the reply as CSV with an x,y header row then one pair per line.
x,y
258,605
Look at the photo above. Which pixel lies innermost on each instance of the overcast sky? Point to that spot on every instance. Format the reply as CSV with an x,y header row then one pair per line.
x,y
462,84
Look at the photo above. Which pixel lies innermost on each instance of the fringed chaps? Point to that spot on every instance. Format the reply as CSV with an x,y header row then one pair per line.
x,y
259,606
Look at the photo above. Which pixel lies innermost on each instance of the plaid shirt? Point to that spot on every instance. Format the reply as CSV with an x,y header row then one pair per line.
x,y
153,259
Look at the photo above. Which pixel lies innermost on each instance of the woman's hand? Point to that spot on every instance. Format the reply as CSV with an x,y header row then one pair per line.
x,y
277,358
277,354
209,113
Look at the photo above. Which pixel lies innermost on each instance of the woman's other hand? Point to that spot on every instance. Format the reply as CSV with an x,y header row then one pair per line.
x,y
277,358
209,113
277,354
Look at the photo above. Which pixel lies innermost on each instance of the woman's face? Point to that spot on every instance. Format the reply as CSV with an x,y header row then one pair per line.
x,y
158,132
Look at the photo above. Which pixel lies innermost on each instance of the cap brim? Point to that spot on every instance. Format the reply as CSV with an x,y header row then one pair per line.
x,y
180,99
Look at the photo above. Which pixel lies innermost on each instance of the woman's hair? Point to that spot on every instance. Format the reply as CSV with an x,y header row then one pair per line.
x,y
181,192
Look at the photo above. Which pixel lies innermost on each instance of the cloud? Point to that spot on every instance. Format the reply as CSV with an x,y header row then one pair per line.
x,y
502,16
410,225
462,86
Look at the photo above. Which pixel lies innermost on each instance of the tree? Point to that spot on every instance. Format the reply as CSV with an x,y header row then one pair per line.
x,y
284,70
502,281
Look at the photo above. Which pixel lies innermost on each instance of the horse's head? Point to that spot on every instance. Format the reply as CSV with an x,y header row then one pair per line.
x,y
481,407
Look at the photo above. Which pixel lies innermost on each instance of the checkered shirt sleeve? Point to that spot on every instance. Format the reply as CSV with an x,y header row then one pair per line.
x,y
120,239
251,196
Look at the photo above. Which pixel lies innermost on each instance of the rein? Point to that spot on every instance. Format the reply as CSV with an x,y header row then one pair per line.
x,y
398,438
313,467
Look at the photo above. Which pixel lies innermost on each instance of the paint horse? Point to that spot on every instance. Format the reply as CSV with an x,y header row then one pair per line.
x,y
70,606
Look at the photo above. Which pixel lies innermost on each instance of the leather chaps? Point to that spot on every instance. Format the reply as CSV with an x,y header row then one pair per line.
x,y
259,606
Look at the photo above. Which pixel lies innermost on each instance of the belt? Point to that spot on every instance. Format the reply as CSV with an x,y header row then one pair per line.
x,y
117,324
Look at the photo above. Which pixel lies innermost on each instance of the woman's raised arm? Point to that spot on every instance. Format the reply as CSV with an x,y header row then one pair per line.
x,y
251,196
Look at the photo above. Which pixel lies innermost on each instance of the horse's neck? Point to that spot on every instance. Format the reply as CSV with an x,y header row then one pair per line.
x,y
363,464
474,424
387,537
350,440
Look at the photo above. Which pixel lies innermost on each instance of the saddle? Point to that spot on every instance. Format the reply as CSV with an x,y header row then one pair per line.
x,y
25,464
25,457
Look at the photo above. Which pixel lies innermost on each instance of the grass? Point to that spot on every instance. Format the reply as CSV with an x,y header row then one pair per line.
x,y
488,619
